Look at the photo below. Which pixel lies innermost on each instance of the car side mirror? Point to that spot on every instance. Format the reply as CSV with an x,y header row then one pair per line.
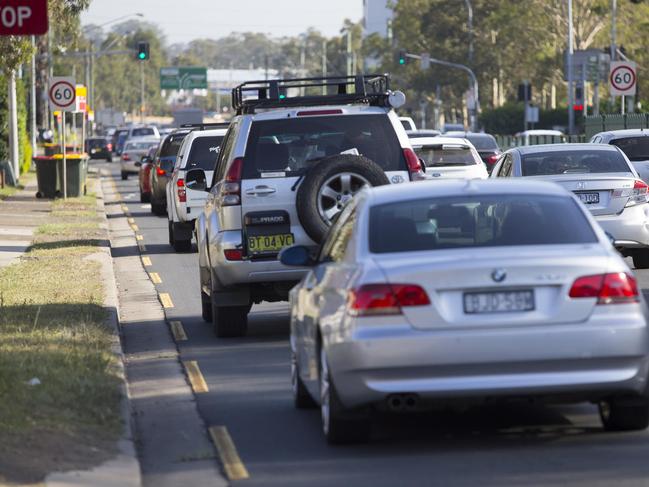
x,y
145,159
296,256
422,163
138,163
196,180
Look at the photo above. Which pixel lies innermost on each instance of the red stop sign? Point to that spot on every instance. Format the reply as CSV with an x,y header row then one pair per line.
x,y
23,17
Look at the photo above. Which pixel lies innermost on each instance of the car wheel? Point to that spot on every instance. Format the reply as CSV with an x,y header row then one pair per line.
x,y
124,176
109,159
145,197
170,229
206,307
329,185
301,397
181,245
230,321
158,209
338,426
641,259
625,413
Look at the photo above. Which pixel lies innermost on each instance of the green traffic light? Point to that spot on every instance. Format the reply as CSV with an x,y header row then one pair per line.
x,y
142,55
402,61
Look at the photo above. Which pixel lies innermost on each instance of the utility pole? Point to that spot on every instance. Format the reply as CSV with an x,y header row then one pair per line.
x,y
324,63
469,9
32,95
571,112
13,126
349,53
141,92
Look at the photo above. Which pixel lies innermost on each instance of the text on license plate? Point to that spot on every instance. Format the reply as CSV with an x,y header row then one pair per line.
x,y
269,243
499,302
588,198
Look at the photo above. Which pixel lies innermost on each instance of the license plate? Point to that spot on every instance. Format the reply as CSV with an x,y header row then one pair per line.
x,y
270,243
588,198
499,302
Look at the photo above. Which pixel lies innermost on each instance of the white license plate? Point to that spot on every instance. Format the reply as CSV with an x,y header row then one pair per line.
x,y
588,198
499,302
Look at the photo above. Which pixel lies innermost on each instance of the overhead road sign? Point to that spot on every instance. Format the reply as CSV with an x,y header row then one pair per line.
x,y
623,78
62,93
188,78
23,17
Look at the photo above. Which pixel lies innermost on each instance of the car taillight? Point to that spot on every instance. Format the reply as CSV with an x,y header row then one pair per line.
x,y
414,166
182,193
109,147
160,171
492,159
636,196
385,299
231,186
126,157
233,254
607,288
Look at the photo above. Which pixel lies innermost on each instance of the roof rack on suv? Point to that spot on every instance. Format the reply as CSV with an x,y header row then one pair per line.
x,y
334,90
205,126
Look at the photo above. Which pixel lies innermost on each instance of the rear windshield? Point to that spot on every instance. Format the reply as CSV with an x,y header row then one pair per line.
x,y
573,162
478,221
141,146
97,143
482,142
291,146
446,155
204,152
635,148
171,145
144,131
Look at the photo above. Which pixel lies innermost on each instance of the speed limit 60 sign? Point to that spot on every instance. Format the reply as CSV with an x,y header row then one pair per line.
x,y
62,93
623,78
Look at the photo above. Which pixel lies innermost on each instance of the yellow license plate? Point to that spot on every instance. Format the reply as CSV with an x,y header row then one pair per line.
x,y
270,243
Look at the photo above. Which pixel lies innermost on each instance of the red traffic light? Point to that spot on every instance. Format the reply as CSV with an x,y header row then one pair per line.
x,y
578,108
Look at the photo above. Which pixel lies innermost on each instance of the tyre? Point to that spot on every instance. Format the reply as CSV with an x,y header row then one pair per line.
x,y
338,425
229,321
301,397
625,413
124,176
641,259
145,197
206,308
109,159
158,209
181,245
329,186
170,230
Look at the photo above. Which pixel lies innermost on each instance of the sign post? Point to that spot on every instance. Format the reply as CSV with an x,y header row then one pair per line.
x,y
623,79
62,95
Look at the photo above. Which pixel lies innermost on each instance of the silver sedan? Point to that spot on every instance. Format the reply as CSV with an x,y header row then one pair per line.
x,y
602,178
486,290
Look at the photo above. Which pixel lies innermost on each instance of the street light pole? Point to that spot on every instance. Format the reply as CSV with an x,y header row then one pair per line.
x,y
141,91
32,95
571,113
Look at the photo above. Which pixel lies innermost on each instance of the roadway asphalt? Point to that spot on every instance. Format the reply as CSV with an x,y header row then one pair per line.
x,y
249,393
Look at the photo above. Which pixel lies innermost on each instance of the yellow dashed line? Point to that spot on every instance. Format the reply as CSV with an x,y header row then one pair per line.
x,y
146,261
178,331
139,237
166,301
195,376
131,221
135,227
155,277
125,208
234,467
141,246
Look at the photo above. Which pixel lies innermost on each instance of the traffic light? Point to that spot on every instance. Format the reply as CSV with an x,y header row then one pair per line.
x,y
402,58
142,51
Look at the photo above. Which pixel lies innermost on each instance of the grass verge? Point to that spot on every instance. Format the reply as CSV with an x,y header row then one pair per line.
x,y
59,391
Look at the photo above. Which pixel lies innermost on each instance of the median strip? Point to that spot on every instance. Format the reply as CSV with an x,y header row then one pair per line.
x,y
165,299
195,376
232,464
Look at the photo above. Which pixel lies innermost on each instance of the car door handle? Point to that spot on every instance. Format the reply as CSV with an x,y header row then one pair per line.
x,y
260,191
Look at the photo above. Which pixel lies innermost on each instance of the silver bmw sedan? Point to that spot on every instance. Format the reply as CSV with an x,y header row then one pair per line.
x,y
463,291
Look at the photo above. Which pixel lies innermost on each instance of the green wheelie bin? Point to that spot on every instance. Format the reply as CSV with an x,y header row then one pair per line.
x,y
46,176
76,170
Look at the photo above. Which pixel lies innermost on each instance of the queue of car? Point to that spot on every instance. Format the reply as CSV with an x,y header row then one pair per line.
x,y
421,272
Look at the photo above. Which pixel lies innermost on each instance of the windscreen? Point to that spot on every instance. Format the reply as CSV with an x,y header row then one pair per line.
x,y
142,132
478,221
573,162
483,142
290,146
204,152
635,148
446,155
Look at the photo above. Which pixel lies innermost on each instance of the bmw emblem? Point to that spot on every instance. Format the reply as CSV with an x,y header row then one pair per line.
x,y
499,275
397,179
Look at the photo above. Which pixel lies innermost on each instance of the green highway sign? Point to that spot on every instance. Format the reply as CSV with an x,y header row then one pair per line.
x,y
183,78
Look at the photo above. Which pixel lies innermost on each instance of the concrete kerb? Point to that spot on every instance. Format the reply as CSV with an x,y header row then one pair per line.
x,y
124,469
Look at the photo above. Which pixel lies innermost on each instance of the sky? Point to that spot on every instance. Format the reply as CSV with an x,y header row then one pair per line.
x,y
184,20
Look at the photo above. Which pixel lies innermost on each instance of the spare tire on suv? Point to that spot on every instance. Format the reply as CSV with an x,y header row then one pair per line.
x,y
329,185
